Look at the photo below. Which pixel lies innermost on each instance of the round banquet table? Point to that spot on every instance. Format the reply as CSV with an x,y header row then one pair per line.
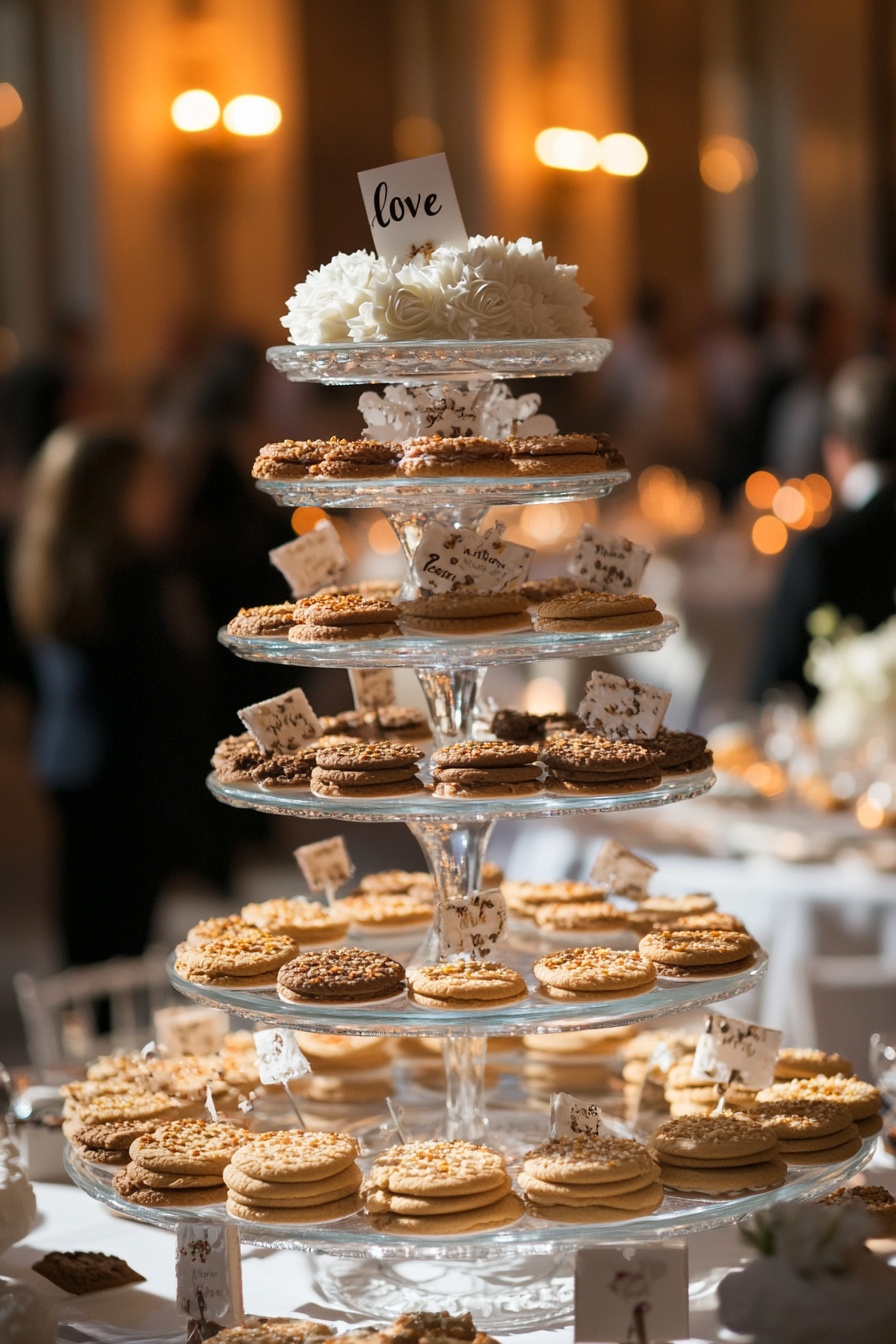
x,y
274,1282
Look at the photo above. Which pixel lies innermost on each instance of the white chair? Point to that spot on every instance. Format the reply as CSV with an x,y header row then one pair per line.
x,y
61,1013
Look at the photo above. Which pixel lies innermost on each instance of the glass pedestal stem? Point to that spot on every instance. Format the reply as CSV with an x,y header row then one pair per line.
x,y
451,697
465,1116
455,851
408,527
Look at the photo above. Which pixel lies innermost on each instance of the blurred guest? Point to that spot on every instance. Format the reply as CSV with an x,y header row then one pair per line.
x,y
88,591
850,563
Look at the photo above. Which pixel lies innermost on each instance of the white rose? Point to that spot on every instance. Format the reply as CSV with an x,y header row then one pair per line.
x,y
480,310
400,313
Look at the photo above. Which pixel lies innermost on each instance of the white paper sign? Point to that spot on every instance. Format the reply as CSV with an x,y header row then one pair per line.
x,y
285,723
615,707
209,1280
412,206
471,926
190,1031
311,561
621,871
372,687
278,1056
732,1050
571,1118
631,1294
489,411
452,558
325,864
611,564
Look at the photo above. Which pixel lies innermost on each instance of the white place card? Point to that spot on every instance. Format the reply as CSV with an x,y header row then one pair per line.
x,y
573,1118
278,1056
615,707
449,559
285,723
209,1274
620,871
609,563
471,926
631,1294
730,1050
190,1031
372,687
312,560
325,864
412,206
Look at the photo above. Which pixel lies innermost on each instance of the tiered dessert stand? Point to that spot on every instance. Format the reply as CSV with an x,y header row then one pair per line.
x,y
520,1275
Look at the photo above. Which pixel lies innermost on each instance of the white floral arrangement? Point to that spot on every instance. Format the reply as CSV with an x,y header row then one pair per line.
x,y
855,674
489,410
491,290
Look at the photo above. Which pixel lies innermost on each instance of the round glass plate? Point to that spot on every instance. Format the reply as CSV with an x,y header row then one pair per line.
x,y
399,1016
438,361
425,807
451,651
401,494
355,1237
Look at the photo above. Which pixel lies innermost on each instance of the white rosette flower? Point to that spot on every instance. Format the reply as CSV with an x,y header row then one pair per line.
x,y
323,305
480,310
397,311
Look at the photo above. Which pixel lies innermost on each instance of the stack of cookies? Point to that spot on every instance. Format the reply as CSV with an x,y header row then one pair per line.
x,y
286,770
486,770
809,1133
526,898
465,984
465,613
802,1062
686,1095
586,612
366,770
343,975
715,1155
113,1102
679,753
593,972
107,1144
648,1057
591,1180
347,1069
574,1061
698,953
236,757
582,920
243,959
433,455
333,619
181,1163
581,763
440,1188
862,1100
392,880
358,458
307,922
563,454
294,1176
386,912
273,619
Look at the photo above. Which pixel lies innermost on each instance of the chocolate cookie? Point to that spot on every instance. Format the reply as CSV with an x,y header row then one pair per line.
x,y
269,620
679,753
514,725
339,975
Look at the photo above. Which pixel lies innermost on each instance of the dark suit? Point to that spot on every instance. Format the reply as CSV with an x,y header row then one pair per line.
x,y
849,563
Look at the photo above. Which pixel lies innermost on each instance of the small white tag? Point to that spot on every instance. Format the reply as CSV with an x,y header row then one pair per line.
x,y
278,1056
452,558
285,723
209,1274
325,864
190,1031
609,563
631,1294
210,1105
621,871
572,1118
615,708
311,561
372,687
730,1050
412,205
472,925
489,411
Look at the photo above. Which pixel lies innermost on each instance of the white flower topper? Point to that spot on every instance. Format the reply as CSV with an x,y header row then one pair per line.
x,y
311,561
611,564
729,1047
489,412
621,871
471,925
616,708
284,723
449,559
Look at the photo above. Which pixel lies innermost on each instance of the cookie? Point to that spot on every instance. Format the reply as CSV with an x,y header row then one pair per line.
x,y
403,723
465,613
353,609
725,1181
496,790
113,1136
282,771
587,608
586,1160
368,756
513,725
642,1201
679,753
483,756
331,1052
438,1167
861,1099
302,920
188,1147
269,620
81,1272
471,776
294,1194
535,1186
377,1200
339,975
706,972
583,753
243,953
594,969
380,912
801,1120
350,723
328,788
236,757
166,1180
696,947
275,1330
554,445
509,1209
394,880
676,907
580,917
570,464
308,633
136,1192
453,982
567,625
290,1155
326,1212
715,1137
537,591
603,786
715,919
801,1062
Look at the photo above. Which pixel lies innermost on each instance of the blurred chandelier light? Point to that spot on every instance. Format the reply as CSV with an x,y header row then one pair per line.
x,y
10,105
622,155
726,161
195,110
560,147
251,114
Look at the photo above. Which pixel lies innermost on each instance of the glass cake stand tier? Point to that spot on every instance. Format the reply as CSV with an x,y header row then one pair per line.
x,y
399,1016
421,362
401,494
454,651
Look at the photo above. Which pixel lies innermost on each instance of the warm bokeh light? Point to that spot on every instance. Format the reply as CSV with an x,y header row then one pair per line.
x,y
791,505
195,110
622,155
870,814
415,137
381,538
10,105
726,161
769,535
761,488
544,695
819,491
766,777
306,519
669,502
544,523
576,151
251,114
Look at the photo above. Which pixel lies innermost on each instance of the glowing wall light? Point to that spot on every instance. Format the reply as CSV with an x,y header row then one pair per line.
x,y
622,155
575,151
252,115
726,161
769,535
10,105
195,110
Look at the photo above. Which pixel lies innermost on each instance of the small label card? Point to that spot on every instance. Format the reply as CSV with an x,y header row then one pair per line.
x,y
615,707
278,1056
209,1277
311,561
631,1294
621,871
572,1118
489,410
451,558
609,563
412,206
284,723
372,687
190,1031
471,926
326,864
731,1050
